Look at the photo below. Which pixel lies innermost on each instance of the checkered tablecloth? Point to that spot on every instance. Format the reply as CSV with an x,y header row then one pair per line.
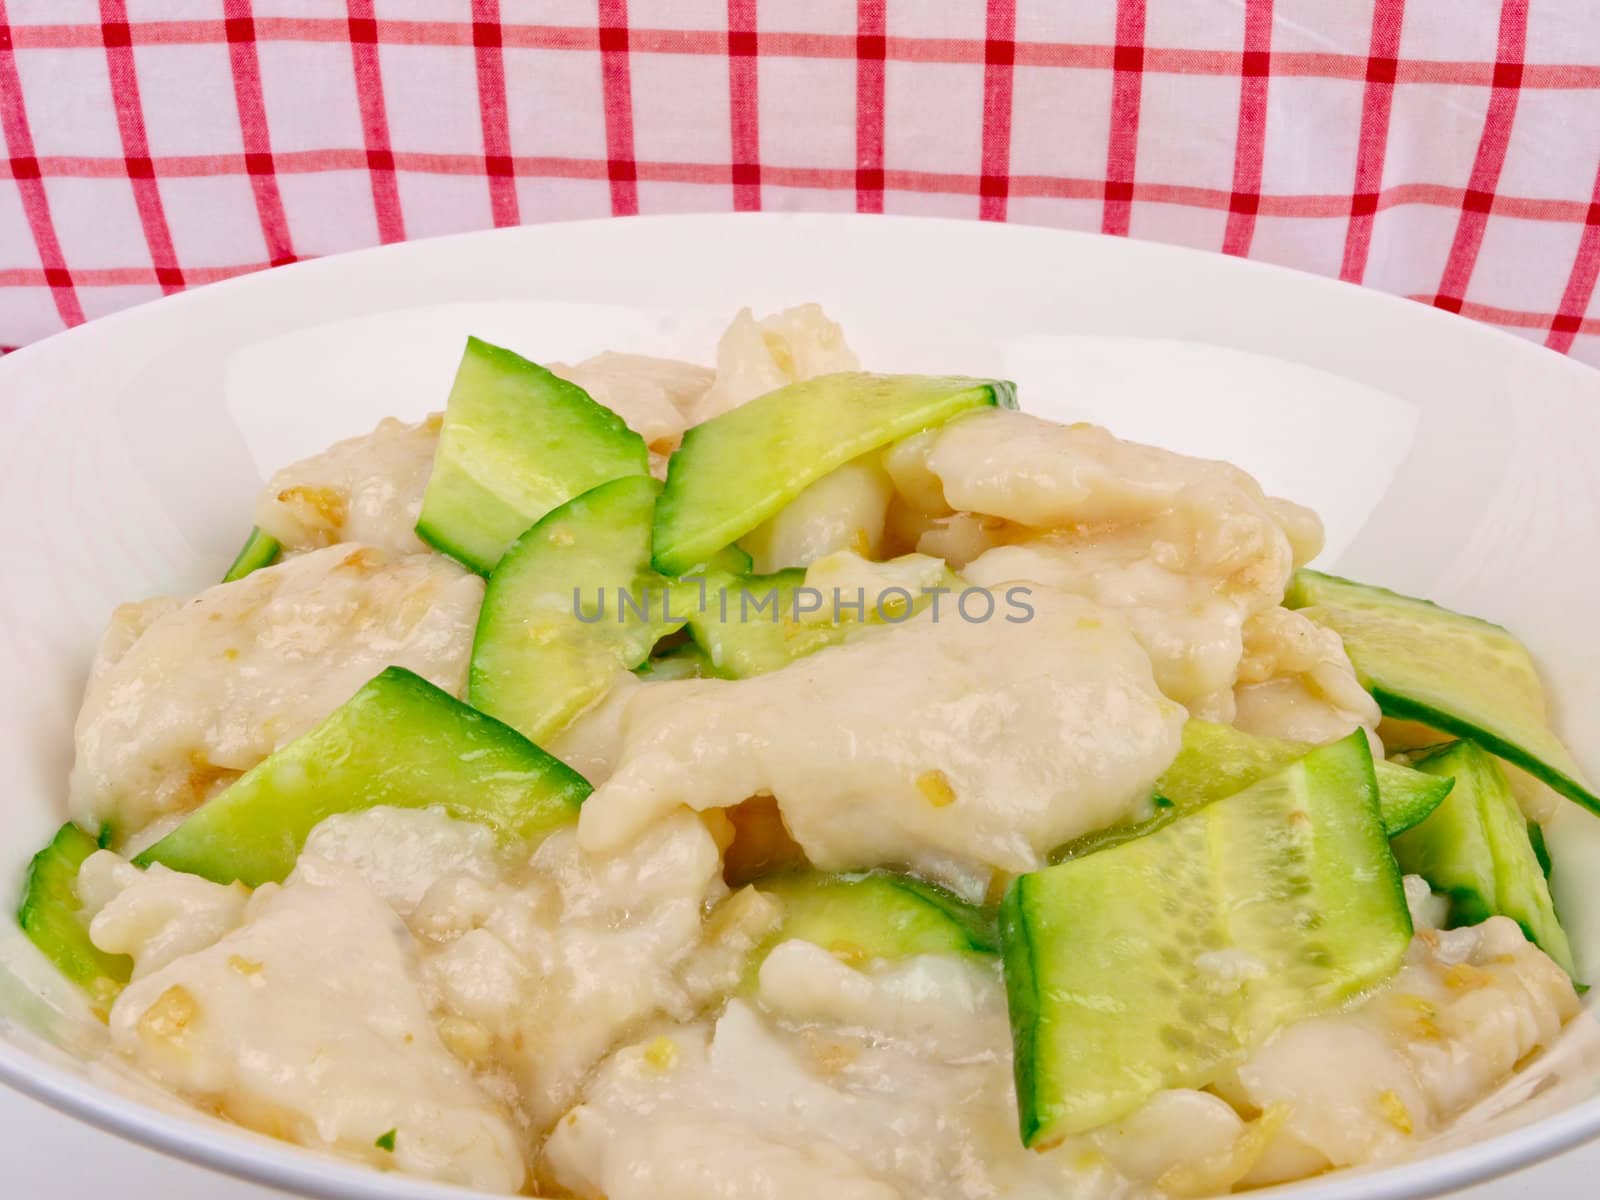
x,y
1445,150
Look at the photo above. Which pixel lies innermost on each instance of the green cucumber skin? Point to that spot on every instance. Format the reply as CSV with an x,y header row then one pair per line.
x,y
1540,850
517,442
1350,883
976,924
48,914
1022,1002
1477,850
734,471
1403,708
599,540
474,554
1309,589
259,550
399,741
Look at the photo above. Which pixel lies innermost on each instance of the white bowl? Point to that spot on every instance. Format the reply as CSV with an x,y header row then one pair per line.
x,y
1449,460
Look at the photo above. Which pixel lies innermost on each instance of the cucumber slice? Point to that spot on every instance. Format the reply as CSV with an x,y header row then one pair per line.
x,y
536,662
876,914
1460,674
1406,797
737,469
747,625
398,741
517,441
1216,761
50,917
1158,963
1476,850
1540,850
259,550
1219,760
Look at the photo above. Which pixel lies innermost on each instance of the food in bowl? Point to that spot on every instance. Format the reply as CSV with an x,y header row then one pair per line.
x,y
650,780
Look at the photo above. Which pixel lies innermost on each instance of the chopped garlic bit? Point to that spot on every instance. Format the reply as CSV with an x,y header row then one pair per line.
x,y
169,1016
1395,1112
661,1053
935,785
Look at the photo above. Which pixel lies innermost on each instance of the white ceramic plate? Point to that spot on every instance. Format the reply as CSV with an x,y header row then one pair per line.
x,y
1448,459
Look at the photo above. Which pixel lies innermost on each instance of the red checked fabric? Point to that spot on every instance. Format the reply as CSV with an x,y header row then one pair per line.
x,y
1446,150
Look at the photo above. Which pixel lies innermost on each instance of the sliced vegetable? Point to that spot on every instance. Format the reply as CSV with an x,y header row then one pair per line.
x,y
259,550
1476,850
1540,850
737,469
50,916
398,741
1215,761
748,626
752,624
1218,760
517,441
1406,797
1157,963
1460,674
572,603
876,914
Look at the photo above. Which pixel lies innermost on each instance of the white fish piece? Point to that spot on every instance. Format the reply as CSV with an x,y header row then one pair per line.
x,y
553,966
654,396
903,1069
1189,549
157,916
755,357
213,685
399,853
365,489
936,742
1044,475
699,1157
885,1105
1296,682
845,510
307,1022
1466,1008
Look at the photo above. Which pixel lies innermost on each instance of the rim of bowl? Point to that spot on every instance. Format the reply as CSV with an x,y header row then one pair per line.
x,y
255,1158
